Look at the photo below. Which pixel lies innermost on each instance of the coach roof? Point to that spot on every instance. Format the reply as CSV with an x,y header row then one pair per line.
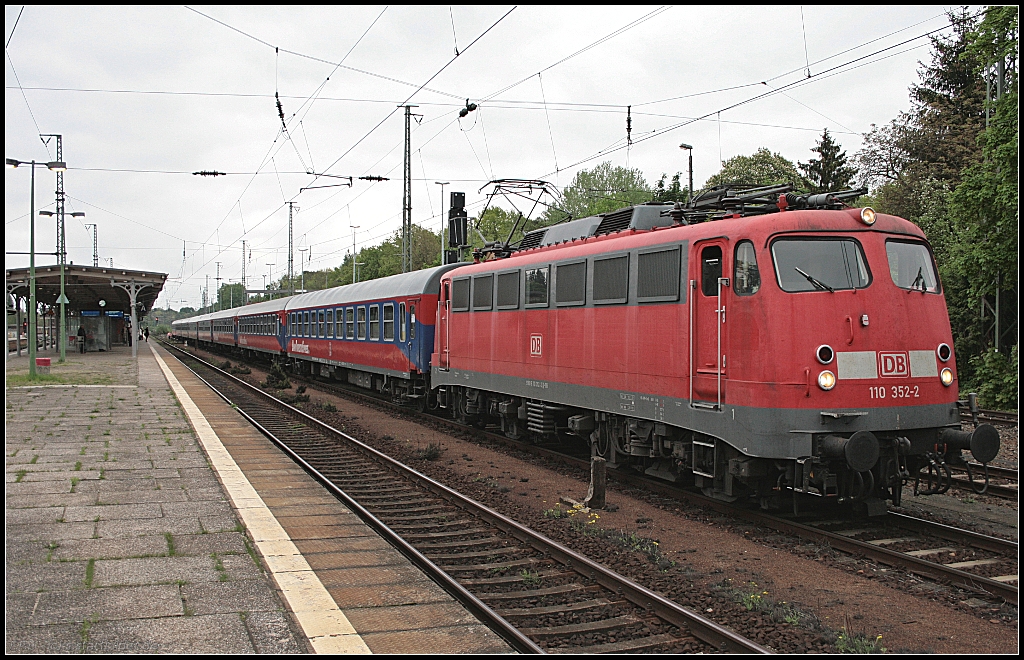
x,y
416,283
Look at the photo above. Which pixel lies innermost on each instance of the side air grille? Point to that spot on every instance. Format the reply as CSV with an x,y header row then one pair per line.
x,y
571,283
658,275
615,221
508,290
483,291
460,295
611,279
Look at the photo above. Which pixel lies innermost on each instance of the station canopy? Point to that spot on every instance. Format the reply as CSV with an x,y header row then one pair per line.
x,y
86,286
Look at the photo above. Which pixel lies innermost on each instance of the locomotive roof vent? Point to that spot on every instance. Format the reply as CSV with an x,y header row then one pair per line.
x,y
643,216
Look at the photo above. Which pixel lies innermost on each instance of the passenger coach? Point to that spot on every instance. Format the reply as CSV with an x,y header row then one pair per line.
x,y
372,334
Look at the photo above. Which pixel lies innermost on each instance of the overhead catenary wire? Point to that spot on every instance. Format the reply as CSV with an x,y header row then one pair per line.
x,y
835,70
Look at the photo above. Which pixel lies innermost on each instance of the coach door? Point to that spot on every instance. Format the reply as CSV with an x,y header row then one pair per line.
x,y
707,324
444,310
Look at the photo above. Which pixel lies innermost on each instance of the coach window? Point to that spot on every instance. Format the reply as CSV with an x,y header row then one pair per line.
x,y
389,322
332,323
322,330
401,321
746,275
412,321
362,323
711,269
374,322
350,322
537,287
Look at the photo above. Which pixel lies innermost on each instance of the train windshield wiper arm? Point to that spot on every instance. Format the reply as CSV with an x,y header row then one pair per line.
x,y
815,281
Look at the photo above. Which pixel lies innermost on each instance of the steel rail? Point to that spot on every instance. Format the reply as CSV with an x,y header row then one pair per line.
x,y
702,628
474,605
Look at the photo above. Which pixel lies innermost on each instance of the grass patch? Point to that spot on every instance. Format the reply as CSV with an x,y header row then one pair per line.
x,y
21,475
850,641
218,566
530,579
34,459
74,483
170,544
78,466
24,380
90,571
431,452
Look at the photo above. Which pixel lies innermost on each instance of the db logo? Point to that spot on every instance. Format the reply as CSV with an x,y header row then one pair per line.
x,y
536,345
894,365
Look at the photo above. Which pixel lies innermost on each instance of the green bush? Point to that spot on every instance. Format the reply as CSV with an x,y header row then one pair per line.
x,y
995,379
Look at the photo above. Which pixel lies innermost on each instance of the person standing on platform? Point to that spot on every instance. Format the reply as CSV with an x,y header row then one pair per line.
x,y
145,331
81,339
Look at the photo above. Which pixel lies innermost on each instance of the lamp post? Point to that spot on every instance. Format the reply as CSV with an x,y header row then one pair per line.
x,y
690,149
53,166
63,300
302,284
442,184
354,264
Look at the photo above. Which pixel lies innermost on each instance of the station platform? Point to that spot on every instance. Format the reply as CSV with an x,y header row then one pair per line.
x,y
144,515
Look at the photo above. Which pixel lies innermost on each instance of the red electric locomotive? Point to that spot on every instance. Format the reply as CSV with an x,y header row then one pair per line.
x,y
791,346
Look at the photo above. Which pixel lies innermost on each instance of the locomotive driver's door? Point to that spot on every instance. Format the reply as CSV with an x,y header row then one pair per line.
x,y
444,310
708,316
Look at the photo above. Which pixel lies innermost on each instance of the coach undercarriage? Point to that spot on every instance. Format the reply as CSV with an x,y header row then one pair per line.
x,y
863,469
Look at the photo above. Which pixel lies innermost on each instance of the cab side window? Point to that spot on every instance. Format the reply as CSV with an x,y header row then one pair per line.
x,y
711,269
746,275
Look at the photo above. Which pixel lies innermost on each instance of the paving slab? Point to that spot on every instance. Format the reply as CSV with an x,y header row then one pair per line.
x,y
108,498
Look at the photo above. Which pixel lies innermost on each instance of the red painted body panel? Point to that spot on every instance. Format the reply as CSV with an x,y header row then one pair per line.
x,y
376,354
769,338
259,342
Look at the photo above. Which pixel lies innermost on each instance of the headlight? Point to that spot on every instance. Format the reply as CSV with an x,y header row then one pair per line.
x,y
944,352
825,354
827,380
867,215
946,376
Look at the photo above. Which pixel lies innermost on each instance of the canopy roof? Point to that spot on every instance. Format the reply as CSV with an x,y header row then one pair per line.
x,y
86,286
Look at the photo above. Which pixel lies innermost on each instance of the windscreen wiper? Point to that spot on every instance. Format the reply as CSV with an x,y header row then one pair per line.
x,y
815,281
918,280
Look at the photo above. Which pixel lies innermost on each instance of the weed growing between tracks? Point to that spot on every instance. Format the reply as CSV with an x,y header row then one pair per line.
x,y
584,522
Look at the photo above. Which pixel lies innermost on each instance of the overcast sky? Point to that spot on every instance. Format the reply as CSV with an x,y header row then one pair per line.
x,y
145,96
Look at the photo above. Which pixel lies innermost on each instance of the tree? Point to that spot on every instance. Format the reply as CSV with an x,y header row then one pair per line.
x,y
948,105
940,167
230,295
600,190
386,259
673,192
763,168
829,172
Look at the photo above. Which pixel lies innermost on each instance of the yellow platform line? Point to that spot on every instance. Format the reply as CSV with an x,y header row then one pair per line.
x,y
322,621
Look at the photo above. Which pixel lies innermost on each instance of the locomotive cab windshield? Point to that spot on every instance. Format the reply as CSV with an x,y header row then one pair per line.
x,y
812,264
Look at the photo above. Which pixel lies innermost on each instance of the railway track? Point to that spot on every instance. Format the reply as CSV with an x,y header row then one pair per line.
x,y
1000,417
973,562
537,594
